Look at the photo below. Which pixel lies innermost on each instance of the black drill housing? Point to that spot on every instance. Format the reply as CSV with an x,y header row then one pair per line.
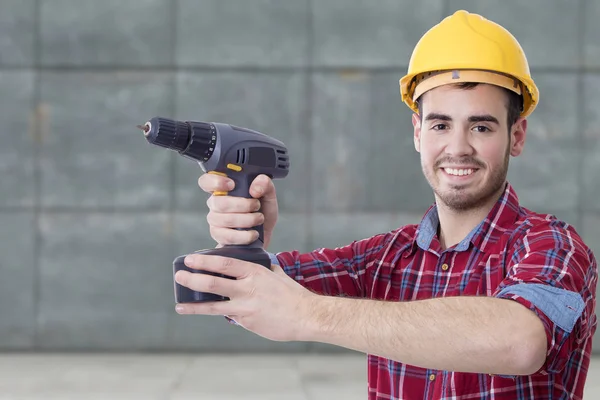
x,y
240,153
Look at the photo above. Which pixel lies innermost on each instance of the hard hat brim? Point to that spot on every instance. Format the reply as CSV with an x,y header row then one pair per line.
x,y
426,82
413,86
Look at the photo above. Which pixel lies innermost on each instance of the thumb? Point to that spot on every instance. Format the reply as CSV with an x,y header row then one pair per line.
x,y
263,188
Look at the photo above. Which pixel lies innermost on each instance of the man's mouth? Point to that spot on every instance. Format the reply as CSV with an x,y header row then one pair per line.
x,y
459,171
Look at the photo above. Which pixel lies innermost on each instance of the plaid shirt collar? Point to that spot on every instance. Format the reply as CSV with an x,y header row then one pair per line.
x,y
501,217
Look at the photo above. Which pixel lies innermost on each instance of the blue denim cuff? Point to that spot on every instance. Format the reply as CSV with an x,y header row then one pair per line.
x,y
274,259
563,307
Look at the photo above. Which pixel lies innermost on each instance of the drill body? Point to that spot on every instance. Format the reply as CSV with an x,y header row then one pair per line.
x,y
239,153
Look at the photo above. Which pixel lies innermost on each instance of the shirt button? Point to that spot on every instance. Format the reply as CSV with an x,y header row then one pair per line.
x,y
431,377
445,267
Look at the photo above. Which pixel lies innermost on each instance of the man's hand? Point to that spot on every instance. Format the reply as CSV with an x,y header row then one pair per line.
x,y
268,303
227,212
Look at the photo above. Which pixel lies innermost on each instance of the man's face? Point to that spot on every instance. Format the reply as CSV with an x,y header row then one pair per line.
x,y
465,145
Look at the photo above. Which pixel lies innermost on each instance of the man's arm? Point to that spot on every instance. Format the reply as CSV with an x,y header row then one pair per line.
x,y
541,314
467,334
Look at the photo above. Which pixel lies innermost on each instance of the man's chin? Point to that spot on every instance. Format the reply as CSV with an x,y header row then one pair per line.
x,y
459,203
465,197
461,190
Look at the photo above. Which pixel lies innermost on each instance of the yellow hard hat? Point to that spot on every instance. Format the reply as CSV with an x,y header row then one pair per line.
x,y
466,47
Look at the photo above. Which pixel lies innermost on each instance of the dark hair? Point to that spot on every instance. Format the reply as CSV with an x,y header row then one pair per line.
x,y
515,103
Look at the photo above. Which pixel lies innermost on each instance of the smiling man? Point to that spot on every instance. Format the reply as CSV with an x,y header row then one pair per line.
x,y
466,133
482,299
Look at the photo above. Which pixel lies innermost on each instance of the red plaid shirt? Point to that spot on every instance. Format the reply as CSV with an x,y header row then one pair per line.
x,y
514,253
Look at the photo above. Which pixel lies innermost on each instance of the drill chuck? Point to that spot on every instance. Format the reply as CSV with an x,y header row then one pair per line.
x,y
195,140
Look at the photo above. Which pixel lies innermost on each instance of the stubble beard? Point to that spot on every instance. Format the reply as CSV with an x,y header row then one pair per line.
x,y
461,198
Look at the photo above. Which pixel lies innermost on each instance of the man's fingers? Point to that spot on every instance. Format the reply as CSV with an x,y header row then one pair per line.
x,y
222,220
213,182
226,236
221,265
210,308
207,283
232,204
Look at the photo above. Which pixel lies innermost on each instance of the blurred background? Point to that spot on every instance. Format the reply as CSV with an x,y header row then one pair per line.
x,y
92,216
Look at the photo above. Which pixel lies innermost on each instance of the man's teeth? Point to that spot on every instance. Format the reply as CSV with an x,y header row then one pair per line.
x,y
459,172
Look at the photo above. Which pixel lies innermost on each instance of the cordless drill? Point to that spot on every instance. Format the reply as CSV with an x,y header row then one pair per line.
x,y
239,153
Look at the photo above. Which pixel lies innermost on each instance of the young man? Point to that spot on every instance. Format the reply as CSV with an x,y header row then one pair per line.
x,y
482,299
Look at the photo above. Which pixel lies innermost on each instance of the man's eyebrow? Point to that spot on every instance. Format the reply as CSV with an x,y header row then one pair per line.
x,y
472,118
484,118
438,117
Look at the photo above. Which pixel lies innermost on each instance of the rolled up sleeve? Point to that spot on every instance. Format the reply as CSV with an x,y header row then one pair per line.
x,y
554,274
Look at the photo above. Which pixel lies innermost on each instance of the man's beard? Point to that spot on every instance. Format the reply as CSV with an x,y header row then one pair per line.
x,y
459,198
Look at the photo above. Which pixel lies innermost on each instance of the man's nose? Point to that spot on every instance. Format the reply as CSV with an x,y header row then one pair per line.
x,y
459,144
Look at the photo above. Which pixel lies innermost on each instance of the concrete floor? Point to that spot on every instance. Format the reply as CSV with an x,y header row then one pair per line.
x,y
180,377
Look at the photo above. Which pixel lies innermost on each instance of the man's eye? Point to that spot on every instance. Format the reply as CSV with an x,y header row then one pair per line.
x,y
439,127
482,129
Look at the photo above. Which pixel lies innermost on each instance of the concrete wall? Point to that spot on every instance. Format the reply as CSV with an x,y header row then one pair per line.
x,y
92,216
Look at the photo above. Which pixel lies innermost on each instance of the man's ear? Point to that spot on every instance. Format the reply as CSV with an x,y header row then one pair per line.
x,y
416,121
517,137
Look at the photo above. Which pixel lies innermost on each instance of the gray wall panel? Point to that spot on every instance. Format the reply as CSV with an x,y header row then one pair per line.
x,y
18,135
18,281
105,281
590,152
106,33
370,34
92,153
17,30
266,33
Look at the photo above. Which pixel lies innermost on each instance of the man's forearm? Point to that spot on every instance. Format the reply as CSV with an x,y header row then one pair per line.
x,y
467,334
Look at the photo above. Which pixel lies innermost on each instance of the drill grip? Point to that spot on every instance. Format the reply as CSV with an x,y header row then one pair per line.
x,y
242,189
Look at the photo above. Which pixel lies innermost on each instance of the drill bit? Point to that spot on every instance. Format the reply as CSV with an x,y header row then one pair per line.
x,y
145,128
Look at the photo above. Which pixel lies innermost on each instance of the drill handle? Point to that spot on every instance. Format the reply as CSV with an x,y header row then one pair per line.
x,y
242,189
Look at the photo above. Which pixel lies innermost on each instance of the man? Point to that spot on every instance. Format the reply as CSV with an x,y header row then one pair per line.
x,y
482,299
